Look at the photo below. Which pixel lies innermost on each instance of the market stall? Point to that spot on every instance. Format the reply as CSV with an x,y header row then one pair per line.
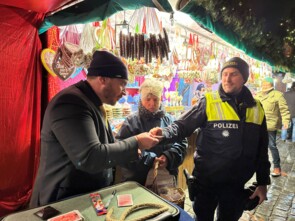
x,y
192,67
185,57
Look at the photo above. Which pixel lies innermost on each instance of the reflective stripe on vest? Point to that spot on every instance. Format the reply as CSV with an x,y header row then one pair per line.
x,y
217,110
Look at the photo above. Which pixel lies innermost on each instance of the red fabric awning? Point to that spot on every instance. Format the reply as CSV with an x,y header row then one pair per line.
x,y
20,105
41,6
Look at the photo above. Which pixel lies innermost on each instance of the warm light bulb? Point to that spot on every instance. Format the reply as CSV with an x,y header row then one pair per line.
x,y
124,31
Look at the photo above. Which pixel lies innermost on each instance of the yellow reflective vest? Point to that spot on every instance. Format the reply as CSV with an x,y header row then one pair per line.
x,y
217,110
228,143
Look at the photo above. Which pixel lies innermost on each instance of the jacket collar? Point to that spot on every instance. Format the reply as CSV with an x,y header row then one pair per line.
x,y
268,90
263,96
245,97
143,112
85,87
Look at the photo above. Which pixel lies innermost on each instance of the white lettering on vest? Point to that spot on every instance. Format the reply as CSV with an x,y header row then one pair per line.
x,y
226,125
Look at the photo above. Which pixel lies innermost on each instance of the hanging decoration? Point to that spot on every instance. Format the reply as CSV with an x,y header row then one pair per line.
x,y
145,20
47,57
67,58
121,28
145,48
48,54
138,47
104,35
63,64
88,40
69,55
149,41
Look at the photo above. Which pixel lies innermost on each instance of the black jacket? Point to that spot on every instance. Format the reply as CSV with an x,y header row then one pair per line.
x,y
77,150
290,98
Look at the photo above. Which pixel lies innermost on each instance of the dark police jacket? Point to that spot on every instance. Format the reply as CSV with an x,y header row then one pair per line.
x,y
232,143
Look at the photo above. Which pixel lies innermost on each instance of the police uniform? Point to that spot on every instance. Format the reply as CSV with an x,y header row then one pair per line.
x,y
231,147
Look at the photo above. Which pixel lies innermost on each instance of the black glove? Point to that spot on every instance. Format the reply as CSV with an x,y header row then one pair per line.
x,y
250,204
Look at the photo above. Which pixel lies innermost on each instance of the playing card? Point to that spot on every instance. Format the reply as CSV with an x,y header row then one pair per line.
x,y
125,200
74,215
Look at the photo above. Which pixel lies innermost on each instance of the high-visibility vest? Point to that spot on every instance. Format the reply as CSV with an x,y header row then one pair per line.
x,y
227,146
217,110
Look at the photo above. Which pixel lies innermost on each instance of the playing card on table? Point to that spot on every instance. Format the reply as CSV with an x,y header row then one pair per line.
x,y
125,200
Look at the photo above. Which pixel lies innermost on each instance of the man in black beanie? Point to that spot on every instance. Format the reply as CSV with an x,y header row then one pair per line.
x,y
78,150
231,147
106,64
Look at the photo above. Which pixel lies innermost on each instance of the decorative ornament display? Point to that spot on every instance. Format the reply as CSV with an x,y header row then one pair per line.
x,y
47,57
62,64
88,40
48,54
139,46
104,36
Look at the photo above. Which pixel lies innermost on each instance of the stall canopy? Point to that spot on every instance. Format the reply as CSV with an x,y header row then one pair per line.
x,y
263,29
93,10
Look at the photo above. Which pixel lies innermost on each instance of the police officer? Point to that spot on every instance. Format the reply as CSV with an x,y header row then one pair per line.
x,y
231,145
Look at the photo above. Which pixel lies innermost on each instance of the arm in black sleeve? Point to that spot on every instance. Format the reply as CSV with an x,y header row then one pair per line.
x,y
187,123
176,154
82,135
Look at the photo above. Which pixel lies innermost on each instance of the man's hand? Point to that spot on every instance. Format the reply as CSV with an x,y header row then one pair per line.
x,y
156,131
260,191
146,141
163,162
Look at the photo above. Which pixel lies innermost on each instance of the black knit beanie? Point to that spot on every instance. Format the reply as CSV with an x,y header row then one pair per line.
x,y
107,64
239,64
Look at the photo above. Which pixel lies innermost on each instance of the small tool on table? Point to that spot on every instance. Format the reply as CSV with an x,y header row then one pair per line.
x,y
109,201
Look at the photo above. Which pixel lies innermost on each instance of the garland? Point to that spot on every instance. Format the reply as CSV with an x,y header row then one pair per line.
x,y
238,17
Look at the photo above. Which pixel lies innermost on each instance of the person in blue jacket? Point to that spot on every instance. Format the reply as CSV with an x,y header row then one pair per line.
x,y
151,114
231,147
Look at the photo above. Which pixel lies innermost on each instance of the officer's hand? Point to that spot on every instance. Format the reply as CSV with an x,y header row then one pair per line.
x,y
260,191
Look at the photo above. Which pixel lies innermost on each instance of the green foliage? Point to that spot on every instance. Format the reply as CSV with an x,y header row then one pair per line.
x,y
238,17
